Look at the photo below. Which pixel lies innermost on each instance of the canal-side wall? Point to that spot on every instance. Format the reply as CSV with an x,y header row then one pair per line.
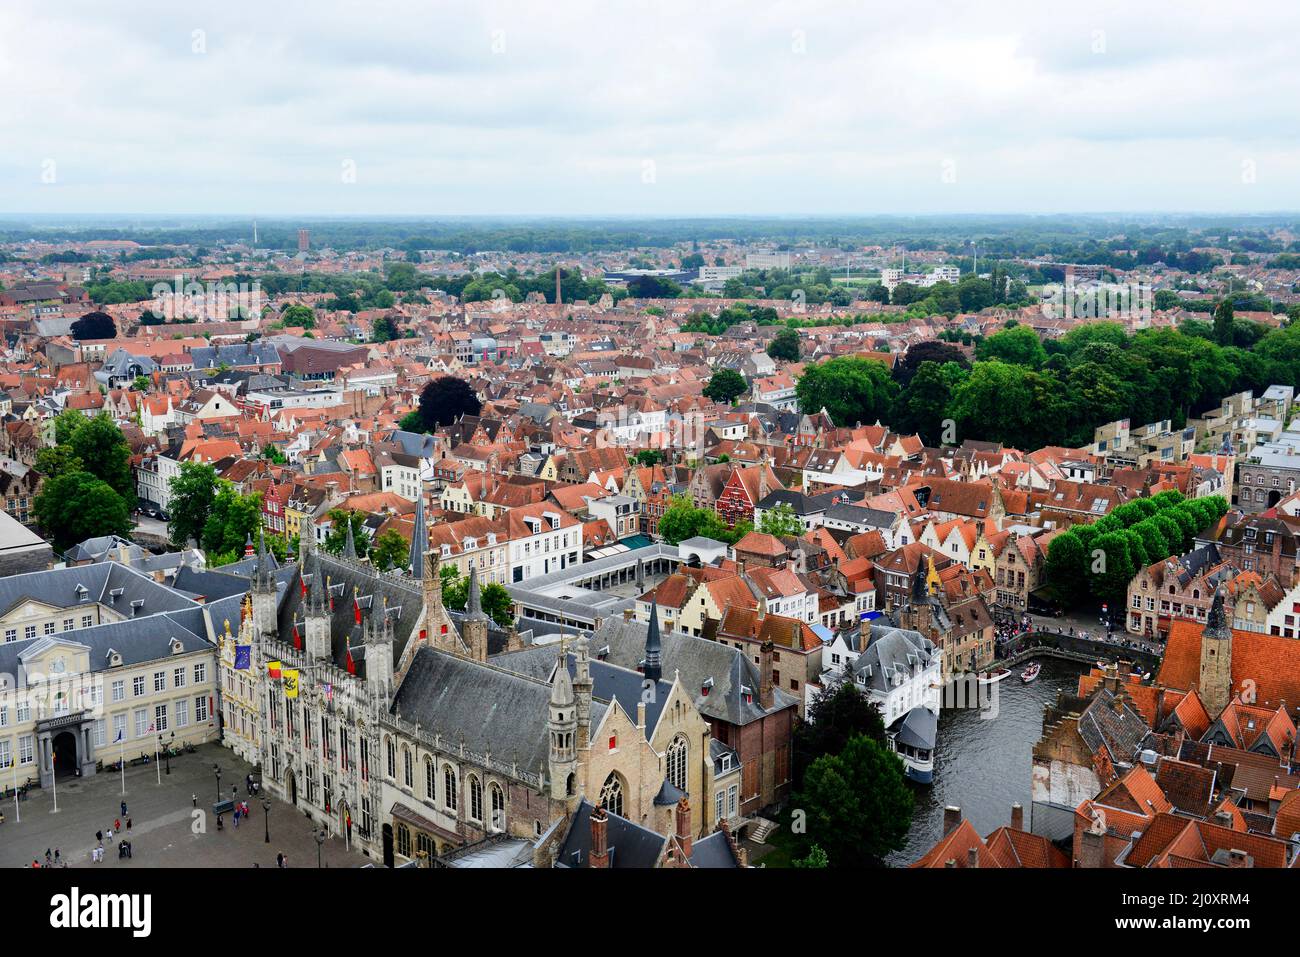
x,y
1071,648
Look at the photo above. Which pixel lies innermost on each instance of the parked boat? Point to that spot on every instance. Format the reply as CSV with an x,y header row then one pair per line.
x,y
995,676
1030,673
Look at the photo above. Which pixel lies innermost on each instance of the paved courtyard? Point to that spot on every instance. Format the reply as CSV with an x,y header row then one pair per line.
x,y
166,830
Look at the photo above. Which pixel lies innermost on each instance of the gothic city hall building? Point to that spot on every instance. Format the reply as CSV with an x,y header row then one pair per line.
x,y
410,731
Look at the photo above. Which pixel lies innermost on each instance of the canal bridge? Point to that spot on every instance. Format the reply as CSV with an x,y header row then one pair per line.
x,y
1051,644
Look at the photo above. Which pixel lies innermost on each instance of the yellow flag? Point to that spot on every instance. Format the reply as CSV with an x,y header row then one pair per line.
x,y
290,678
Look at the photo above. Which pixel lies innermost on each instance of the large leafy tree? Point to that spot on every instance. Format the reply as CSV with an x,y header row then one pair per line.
x,y
835,715
94,325
922,407
682,520
232,520
1018,345
77,505
390,550
336,540
780,521
725,385
496,601
193,491
851,389
928,350
446,399
103,452
785,345
857,804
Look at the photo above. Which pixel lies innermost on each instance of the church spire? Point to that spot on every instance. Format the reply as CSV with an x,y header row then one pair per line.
x,y
419,538
474,597
653,664
350,544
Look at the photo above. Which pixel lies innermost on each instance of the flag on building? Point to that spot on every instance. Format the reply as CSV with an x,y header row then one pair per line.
x,y
273,670
243,657
290,677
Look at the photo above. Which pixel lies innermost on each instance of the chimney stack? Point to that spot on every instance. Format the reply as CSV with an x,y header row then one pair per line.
x,y
1017,817
599,856
951,818
684,826
765,695
973,857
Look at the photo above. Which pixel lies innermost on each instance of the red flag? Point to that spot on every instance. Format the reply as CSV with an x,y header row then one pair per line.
x,y
352,665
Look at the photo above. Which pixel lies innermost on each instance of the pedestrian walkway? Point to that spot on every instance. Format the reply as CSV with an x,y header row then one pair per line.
x,y
172,824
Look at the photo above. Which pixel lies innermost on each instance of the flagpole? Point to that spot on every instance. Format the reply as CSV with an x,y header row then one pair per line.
x,y
121,758
157,766
54,778
18,814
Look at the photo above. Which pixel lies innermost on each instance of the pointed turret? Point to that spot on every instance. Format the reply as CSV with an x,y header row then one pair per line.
x,y
419,539
474,628
350,543
1215,685
562,725
653,664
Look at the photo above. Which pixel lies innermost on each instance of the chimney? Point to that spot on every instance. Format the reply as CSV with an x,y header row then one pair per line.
x,y
1092,849
1238,858
1017,817
951,818
973,857
599,855
765,695
950,862
684,826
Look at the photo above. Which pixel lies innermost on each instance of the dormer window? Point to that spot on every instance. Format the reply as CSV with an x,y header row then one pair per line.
x,y
176,646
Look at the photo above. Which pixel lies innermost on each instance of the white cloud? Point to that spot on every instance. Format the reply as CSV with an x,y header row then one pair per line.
x,y
742,107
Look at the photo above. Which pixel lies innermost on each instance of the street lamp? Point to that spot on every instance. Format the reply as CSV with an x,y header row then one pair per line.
x,y
171,743
216,769
266,812
320,841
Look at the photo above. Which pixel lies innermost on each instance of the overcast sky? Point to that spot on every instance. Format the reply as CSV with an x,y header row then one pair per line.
x,y
659,107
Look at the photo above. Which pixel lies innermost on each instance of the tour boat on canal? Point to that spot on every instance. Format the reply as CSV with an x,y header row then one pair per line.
x,y
1030,673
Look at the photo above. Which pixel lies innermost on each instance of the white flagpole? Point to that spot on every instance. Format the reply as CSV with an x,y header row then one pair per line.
x,y
121,758
18,814
157,766
54,778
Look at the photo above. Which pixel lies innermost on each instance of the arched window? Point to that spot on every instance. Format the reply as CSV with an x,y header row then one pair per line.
x,y
430,780
407,769
425,843
677,763
392,757
475,798
611,795
403,840
449,787
498,807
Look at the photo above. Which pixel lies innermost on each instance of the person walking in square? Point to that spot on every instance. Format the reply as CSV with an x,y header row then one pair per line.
x,y
124,809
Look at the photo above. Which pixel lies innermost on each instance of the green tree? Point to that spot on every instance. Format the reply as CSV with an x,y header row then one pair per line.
x,y
1066,568
94,325
390,550
446,399
725,385
850,389
77,505
1018,345
298,315
336,540
648,457
858,807
785,345
816,858
1223,324
781,521
232,520
835,715
65,423
103,451
192,493
57,460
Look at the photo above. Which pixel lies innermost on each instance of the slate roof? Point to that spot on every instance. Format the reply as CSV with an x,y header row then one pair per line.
x,y
498,711
892,652
630,845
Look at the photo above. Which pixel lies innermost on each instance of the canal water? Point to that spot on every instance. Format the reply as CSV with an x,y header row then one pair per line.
x,y
983,765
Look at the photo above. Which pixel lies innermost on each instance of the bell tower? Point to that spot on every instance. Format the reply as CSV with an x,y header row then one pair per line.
x,y
1215,686
264,591
562,725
